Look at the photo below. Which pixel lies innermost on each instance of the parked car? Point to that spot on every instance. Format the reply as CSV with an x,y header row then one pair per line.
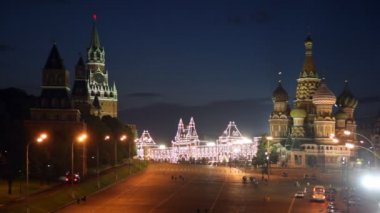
x,y
299,194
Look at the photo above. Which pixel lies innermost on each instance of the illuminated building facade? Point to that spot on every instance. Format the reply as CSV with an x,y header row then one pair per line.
x,y
186,146
312,131
144,144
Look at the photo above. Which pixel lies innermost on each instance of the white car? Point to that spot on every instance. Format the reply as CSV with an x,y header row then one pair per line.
x,y
318,197
299,194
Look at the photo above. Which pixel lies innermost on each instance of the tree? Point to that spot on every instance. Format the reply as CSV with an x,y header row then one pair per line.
x,y
14,109
262,149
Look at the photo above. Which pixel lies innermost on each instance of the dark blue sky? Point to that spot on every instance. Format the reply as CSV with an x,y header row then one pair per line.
x,y
199,51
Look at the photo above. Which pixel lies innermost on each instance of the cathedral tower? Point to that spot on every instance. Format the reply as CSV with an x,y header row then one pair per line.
x,y
308,80
307,84
279,119
347,104
324,121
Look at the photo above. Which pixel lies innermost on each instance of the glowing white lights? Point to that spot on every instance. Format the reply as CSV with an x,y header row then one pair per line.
x,y
346,132
350,145
143,144
210,144
187,147
371,181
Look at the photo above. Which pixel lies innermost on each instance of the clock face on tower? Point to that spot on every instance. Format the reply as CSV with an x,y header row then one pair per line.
x,y
99,78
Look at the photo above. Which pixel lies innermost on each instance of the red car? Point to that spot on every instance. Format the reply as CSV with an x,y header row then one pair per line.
x,y
75,178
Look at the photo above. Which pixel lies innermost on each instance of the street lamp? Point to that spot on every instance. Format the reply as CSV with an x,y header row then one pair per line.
x,y
80,139
41,138
351,146
122,138
106,138
347,132
269,139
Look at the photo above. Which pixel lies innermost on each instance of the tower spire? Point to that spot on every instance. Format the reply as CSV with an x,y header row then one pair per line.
x,y
308,70
54,60
95,53
95,41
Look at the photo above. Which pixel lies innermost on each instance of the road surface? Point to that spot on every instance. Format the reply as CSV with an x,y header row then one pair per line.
x,y
202,189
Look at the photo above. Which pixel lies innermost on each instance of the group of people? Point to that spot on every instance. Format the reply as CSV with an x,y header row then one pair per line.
x,y
251,179
179,177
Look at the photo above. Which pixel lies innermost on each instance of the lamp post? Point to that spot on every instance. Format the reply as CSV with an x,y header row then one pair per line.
x,y
80,139
351,146
106,138
347,132
41,138
123,138
269,139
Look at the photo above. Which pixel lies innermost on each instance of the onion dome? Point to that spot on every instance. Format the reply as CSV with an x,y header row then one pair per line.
x,y
323,95
340,115
346,98
298,113
280,94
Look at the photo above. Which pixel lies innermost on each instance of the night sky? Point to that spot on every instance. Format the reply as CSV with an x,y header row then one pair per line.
x,y
193,53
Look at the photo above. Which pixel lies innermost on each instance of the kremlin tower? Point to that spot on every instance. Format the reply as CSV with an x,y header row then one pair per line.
x,y
92,93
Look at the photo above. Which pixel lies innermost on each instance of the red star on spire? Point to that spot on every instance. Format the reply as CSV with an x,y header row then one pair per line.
x,y
94,16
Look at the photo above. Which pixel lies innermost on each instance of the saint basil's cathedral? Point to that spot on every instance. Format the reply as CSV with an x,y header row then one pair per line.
x,y
312,131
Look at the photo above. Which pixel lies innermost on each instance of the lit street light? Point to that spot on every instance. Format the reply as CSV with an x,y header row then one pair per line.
x,y
333,138
351,146
122,138
106,138
80,139
347,132
41,138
